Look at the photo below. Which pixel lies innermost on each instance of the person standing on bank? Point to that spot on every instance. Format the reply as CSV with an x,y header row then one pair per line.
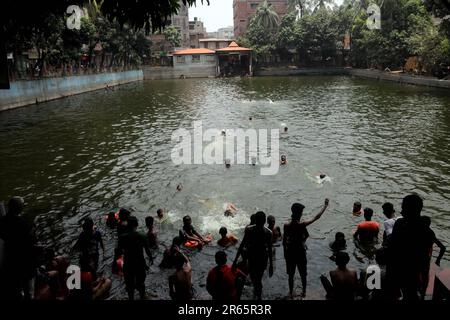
x,y
294,244
132,245
257,242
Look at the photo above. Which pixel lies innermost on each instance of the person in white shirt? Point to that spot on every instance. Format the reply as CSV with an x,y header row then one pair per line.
x,y
389,212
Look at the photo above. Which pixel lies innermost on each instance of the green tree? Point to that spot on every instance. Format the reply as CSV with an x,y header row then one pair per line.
x,y
318,35
266,16
173,35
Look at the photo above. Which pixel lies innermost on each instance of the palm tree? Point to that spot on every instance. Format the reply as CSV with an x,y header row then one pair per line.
x,y
266,16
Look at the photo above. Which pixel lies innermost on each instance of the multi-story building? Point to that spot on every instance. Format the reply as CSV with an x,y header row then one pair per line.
x,y
214,44
212,34
226,33
197,31
244,9
181,22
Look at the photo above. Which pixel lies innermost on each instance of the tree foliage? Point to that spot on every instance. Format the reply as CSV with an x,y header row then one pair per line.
x,y
408,29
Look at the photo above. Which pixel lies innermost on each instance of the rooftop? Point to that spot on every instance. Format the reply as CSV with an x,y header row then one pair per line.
x,y
215,39
233,47
193,51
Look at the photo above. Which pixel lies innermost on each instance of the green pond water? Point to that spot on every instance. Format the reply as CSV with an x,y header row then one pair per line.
x,y
89,154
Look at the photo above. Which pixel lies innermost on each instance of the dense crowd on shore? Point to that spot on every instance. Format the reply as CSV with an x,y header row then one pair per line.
x,y
28,271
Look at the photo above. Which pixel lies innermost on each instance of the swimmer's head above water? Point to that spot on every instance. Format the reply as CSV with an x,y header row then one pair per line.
x,y
160,213
357,208
187,221
271,221
149,221
124,214
368,214
223,232
227,163
283,159
322,176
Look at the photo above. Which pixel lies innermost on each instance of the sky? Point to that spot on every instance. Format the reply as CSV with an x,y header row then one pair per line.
x,y
218,14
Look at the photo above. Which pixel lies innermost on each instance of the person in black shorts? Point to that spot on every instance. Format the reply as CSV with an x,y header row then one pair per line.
x,y
294,244
133,245
257,242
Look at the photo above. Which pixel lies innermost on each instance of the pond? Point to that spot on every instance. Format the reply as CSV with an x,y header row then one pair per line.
x,y
90,154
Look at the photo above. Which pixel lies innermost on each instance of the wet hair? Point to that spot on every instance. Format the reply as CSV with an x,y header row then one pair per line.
x,y
111,215
159,211
342,259
124,214
283,157
381,257
227,163
270,219
260,218
221,258
368,214
133,222
253,219
187,219
297,211
88,225
250,118
357,204
178,261
149,221
426,220
285,129
388,209
15,205
178,241
322,176
339,242
223,231
412,206
339,235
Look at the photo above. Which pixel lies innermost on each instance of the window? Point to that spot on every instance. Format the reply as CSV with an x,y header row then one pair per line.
x,y
253,5
180,59
195,58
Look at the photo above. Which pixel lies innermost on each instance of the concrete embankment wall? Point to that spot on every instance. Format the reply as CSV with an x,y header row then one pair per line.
x,y
400,78
298,72
192,71
362,73
26,92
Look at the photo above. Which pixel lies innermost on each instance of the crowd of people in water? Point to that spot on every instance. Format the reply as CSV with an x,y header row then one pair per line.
x,y
403,254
